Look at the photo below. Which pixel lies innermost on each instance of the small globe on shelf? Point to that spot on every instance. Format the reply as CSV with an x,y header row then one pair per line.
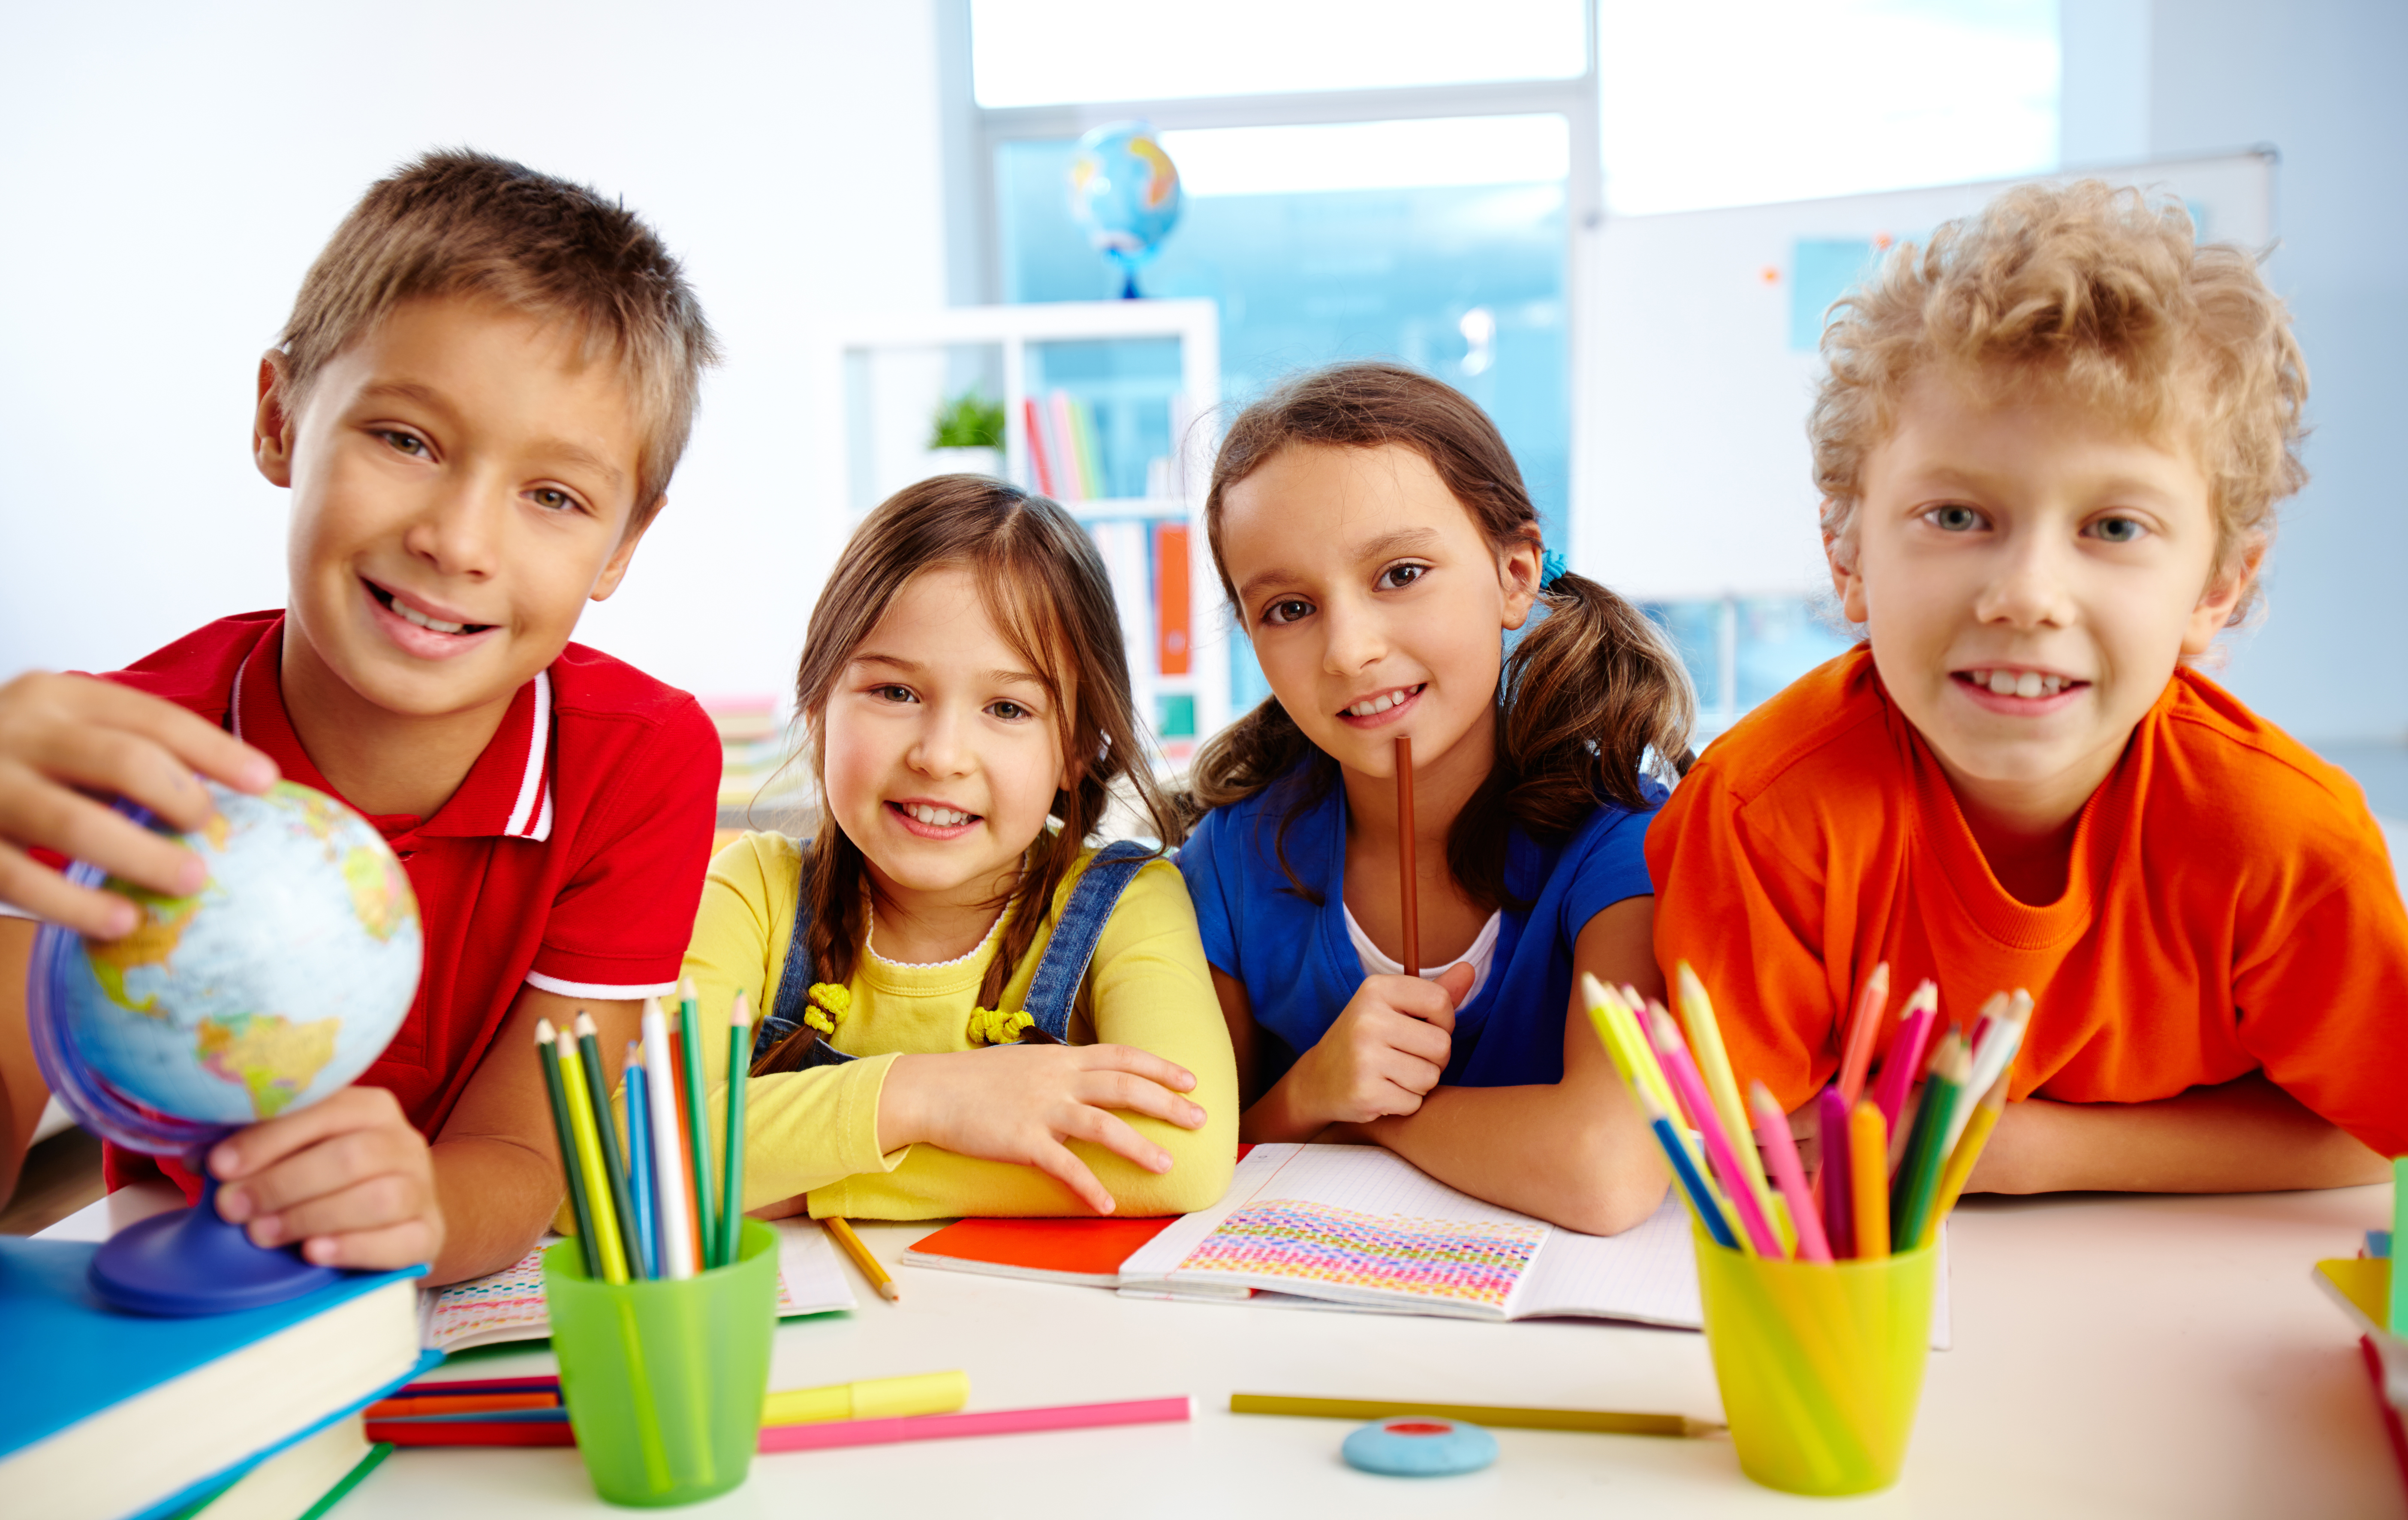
x,y
275,985
1125,194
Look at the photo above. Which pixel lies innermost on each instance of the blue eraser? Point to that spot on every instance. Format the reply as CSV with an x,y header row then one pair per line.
x,y
1419,1446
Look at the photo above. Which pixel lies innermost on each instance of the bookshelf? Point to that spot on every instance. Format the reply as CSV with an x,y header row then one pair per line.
x,y
1109,408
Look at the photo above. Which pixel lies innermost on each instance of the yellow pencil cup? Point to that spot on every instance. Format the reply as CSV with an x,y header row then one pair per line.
x,y
663,1379
1821,1366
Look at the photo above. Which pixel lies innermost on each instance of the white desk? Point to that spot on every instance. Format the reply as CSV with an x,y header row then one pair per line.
x,y
2112,1358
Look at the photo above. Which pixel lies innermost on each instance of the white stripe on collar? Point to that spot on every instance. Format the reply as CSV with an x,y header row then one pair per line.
x,y
235,712
531,818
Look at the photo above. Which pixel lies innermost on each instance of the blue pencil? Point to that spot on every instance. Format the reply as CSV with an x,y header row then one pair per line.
x,y
1685,1168
639,1162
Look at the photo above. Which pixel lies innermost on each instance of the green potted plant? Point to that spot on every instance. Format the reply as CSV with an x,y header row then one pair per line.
x,y
966,436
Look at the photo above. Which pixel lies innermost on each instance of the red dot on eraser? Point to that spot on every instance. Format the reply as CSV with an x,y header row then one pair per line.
x,y
1418,1428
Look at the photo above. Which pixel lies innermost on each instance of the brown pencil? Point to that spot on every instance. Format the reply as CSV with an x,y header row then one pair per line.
x,y
1405,868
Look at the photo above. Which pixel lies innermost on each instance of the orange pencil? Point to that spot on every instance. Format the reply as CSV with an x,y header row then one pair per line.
x,y
1868,1152
1405,865
1857,1055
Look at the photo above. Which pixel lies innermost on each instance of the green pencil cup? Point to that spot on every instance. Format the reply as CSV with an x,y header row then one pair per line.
x,y
663,1379
1821,1365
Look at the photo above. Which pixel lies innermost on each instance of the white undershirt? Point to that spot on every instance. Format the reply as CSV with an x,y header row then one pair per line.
x,y
1482,951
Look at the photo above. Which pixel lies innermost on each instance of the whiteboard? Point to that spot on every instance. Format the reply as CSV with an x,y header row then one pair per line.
x,y
1693,478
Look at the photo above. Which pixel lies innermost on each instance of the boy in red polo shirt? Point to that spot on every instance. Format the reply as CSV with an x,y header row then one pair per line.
x,y
486,382
2050,445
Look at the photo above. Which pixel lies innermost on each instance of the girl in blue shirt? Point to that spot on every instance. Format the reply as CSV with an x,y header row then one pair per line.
x,y
1372,531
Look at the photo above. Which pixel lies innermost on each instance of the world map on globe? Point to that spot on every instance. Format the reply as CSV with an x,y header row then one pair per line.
x,y
1125,191
278,983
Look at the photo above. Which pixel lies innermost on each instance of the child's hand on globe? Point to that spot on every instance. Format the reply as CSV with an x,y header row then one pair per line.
x,y
347,1178
67,739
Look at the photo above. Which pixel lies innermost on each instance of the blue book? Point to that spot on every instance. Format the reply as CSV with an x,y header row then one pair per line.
x,y
105,1414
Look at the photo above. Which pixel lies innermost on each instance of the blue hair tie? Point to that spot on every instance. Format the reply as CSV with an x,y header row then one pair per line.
x,y
1552,568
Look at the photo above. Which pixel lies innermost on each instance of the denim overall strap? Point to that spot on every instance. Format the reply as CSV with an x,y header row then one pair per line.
x,y
1072,944
794,984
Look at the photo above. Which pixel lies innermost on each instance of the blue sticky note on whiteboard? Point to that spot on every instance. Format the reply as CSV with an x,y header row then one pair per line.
x,y
1821,271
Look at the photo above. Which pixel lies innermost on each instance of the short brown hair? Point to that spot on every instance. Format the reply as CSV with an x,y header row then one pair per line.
x,y
1042,582
459,223
2099,293
1584,697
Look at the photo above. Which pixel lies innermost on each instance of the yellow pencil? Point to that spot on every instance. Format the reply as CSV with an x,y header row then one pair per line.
x,y
606,1238
1714,1064
1968,1151
1618,1027
1868,1154
1606,1422
841,1232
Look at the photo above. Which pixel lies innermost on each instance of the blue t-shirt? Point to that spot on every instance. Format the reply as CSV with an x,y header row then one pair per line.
x,y
1300,968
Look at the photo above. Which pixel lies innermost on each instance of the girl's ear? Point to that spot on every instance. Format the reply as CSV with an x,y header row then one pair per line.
x,y
1518,568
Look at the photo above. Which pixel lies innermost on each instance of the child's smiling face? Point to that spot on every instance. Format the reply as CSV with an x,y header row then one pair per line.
x,y
1375,604
462,481
2031,575
941,756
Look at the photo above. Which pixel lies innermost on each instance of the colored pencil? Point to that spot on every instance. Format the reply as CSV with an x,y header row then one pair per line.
x,y
1714,1065
1967,1151
605,1128
1918,1182
1408,898
608,1245
1750,1206
1619,1030
1904,1062
1003,1422
534,1382
1507,1416
673,1217
842,1231
1995,1057
1864,1028
1869,1179
697,1112
1772,1134
1685,1171
547,1054
739,1050
1835,1173
401,1406
640,1161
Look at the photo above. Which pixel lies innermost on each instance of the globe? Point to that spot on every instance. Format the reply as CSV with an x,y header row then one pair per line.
x,y
275,984
1123,195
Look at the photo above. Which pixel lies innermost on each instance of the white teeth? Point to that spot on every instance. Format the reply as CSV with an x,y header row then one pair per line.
x,y
2002,683
2024,683
1373,707
414,615
2028,684
940,817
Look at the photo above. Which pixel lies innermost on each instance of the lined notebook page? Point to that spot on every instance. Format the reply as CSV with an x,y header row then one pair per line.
x,y
1647,1274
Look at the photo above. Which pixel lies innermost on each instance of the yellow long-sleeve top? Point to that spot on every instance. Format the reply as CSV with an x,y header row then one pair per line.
x,y
816,1132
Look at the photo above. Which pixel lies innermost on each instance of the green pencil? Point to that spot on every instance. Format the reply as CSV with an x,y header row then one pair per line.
x,y
706,1201
739,1050
557,1090
614,1163
1918,1172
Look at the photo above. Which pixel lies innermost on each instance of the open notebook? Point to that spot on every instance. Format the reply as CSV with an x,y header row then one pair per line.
x,y
508,1305
1355,1226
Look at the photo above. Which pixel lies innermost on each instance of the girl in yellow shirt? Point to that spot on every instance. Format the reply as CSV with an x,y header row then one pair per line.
x,y
968,1010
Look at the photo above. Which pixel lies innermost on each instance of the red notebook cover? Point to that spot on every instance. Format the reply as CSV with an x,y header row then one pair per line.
x,y
1088,1252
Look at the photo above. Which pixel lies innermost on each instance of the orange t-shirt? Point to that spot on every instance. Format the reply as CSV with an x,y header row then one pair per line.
x,y
2229,907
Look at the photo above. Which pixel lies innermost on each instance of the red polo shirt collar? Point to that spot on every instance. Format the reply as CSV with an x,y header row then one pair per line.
x,y
508,792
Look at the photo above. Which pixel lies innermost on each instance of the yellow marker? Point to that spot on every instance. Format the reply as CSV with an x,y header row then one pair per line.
x,y
606,1238
878,1399
1605,1422
1714,1064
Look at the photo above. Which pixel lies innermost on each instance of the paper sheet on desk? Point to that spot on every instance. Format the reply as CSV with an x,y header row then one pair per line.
x,y
1356,1227
508,1305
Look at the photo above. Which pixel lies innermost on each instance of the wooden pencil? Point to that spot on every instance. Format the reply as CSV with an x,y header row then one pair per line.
x,y
1864,1028
1918,1180
639,1162
614,1163
547,1052
842,1231
1408,895
609,1248
1967,1151
740,1052
1714,1065
698,1113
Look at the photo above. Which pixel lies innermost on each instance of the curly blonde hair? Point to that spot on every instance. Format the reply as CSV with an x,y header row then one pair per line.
x,y
2101,294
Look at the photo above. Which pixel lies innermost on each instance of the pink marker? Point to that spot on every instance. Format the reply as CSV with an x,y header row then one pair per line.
x,y
1001,1421
1683,1073
1780,1154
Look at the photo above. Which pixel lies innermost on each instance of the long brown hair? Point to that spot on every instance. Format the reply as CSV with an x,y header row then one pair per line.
x,y
1044,586
1583,698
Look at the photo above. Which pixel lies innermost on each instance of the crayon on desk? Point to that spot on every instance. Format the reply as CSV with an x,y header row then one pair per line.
x,y
926,1393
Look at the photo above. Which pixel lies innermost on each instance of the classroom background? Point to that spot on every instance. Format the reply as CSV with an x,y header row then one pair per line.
x,y
874,203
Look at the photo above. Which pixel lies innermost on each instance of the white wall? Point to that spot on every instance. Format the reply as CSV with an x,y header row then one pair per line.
x,y
168,171
2322,81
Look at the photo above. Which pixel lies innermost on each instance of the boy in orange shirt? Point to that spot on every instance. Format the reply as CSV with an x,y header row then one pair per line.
x,y
2050,445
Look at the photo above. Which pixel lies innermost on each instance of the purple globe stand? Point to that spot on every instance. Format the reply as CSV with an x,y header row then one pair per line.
x,y
187,1262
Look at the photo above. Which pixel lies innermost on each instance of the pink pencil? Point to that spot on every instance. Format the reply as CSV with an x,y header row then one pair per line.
x,y
1683,1073
1904,1062
1780,1154
1001,1421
